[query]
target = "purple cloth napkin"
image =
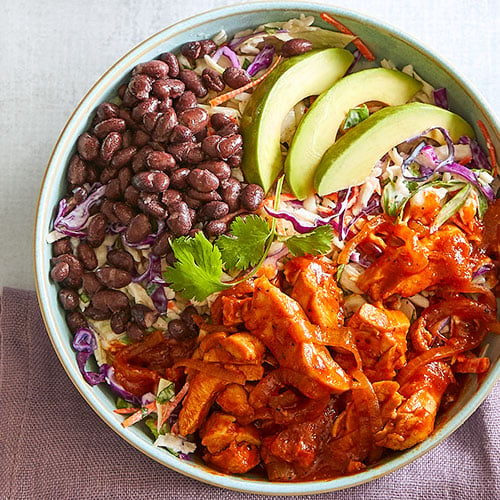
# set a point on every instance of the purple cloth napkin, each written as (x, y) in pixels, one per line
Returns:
(52, 445)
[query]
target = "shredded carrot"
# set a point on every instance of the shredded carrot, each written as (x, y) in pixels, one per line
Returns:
(365, 51)
(216, 101)
(167, 409)
(125, 411)
(489, 145)
(465, 160)
(140, 414)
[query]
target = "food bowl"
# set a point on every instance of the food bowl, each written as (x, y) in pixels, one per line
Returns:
(384, 41)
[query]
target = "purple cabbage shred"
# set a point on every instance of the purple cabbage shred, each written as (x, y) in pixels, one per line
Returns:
(262, 61)
(84, 342)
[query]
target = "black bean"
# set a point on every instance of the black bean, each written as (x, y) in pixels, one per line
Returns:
(236, 77)
(135, 332)
(173, 63)
(193, 82)
(230, 191)
(96, 230)
(149, 204)
(77, 171)
(160, 160)
(152, 181)
(110, 300)
(113, 277)
(107, 110)
(161, 245)
(87, 256)
(215, 228)
(181, 133)
(295, 46)
(229, 145)
(138, 228)
(112, 191)
(251, 197)
(164, 125)
(213, 210)
(179, 223)
(229, 129)
(207, 196)
(235, 160)
(207, 47)
(154, 68)
(75, 321)
(91, 284)
(62, 246)
(88, 146)
(68, 298)
(210, 145)
(196, 119)
(185, 101)
(123, 212)
(219, 120)
(71, 275)
(177, 329)
(121, 259)
(140, 86)
(171, 196)
(131, 195)
(203, 180)
(178, 178)
(119, 321)
(212, 80)
(97, 314)
(218, 168)
(170, 87)
(143, 316)
(191, 50)
(149, 105)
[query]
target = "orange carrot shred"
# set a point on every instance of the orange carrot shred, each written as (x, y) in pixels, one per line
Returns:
(125, 411)
(139, 415)
(168, 408)
(229, 95)
(465, 160)
(489, 145)
(365, 51)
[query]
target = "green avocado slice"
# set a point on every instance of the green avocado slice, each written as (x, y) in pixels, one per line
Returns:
(293, 80)
(351, 159)
(318, 129)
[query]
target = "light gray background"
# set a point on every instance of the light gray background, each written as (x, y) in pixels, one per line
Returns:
(52, 51)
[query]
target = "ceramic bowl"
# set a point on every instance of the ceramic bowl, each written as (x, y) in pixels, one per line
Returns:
(384, 41)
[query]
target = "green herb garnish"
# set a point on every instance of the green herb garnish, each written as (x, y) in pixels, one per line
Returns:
(355, 116)
(316, 242)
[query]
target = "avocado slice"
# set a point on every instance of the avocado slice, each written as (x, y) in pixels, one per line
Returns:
(318, 129)
(293, 80)
(351, 159)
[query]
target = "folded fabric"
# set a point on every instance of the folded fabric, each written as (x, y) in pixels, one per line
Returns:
(52, 444)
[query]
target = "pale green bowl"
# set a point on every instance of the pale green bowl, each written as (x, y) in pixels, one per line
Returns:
(386, 42)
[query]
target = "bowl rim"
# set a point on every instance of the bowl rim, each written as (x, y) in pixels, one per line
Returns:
(58, 340)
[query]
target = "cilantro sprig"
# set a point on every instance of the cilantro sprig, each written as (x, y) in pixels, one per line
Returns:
(199, 264)
(198, 267)
(313, 243)
(246, 243)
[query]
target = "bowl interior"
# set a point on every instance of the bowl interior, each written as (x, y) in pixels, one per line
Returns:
(384, 41)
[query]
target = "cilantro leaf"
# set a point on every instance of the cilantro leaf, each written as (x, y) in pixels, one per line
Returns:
(166, 394)
(313, 243)
(355, 116)
(245, 245)
(198, 269)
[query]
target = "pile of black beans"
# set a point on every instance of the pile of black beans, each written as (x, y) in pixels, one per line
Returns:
(161, 158)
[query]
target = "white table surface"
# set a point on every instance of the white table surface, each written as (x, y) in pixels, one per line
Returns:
(52, 51)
